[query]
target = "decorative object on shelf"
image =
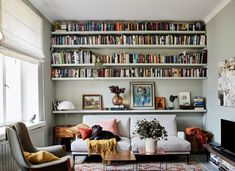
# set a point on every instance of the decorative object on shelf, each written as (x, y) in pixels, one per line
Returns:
(160, 103)
(172, 99)
(66, 105)
(32, 118)
(184, 99)
(92, 101)
(117, 99)
(152, 131)
(226, 88)
(142, 95)
(55, 105)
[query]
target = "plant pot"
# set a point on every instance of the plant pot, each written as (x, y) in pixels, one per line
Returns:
(117, 100)
(150, 145)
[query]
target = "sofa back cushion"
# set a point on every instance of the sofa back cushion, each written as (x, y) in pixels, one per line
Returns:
(168, 121)
(123, 122)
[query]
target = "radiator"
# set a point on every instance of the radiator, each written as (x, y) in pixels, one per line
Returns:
(7, 162)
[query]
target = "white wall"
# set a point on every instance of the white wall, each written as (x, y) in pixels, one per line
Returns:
(221, 46)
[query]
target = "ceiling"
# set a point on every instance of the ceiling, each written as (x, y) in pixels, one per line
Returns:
(129, 9)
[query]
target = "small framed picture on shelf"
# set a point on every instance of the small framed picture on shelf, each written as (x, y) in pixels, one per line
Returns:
(91, 102)
(142, 95)
(184, 98)
(160, 103)
(55, 105)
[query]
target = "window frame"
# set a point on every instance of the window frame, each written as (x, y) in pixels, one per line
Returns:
(22, 117)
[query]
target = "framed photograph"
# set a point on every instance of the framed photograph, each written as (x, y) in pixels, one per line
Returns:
(91, 101)
(160, 103)
(142, 95)
(184, 99)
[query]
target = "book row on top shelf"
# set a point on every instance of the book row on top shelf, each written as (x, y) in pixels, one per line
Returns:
(88, 57)
(128, 26)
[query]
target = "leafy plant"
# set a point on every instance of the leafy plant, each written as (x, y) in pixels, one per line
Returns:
(98, 62)
(150, 129)
(116, 90)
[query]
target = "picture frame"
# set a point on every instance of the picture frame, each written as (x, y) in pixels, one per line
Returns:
(142, 95)
(91, 102)
(184, 99)
(160, 103)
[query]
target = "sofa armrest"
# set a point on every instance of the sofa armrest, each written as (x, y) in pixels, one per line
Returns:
(181, 134)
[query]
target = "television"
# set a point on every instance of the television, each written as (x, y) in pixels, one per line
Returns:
(227, 137)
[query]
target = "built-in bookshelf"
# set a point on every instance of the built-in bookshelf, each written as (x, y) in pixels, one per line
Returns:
(74, 50)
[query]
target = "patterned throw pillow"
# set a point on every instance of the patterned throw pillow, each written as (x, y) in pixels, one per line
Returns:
(75, 129)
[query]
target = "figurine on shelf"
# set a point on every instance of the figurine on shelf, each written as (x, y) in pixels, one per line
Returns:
(172, 99)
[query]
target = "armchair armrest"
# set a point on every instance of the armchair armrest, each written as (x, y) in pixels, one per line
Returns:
(57, 150)
(181, 134)
(63, 164)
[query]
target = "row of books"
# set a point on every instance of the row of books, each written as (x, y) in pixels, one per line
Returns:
(199, 103)
(87, 57)
(130, 40)
(128, 72)
(127, 26)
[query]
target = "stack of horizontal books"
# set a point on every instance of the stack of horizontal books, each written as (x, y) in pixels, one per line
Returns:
(199, 103)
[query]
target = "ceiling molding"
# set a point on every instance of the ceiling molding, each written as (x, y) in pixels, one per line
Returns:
(216, 10)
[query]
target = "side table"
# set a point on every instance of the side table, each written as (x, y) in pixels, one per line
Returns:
(62, 136)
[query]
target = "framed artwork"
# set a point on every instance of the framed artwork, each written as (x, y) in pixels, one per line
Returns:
(226, 82)
(184, 98)
(142, 95)
(160, 103)
(92, 101)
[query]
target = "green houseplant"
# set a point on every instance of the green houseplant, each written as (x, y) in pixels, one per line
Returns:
(152, 131)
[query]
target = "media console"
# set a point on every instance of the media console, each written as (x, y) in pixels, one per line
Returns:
(226, 163)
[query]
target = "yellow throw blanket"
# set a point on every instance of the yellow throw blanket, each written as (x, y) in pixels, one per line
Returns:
(101, 146)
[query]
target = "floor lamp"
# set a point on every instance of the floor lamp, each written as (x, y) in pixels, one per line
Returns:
(66, 105)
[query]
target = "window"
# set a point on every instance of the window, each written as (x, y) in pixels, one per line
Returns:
(18, 90)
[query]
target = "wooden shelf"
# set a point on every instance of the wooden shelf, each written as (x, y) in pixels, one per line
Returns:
(131, 46)
(127, 111)
(124, 32)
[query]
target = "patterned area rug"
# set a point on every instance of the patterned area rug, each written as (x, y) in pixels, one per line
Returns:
(146, 166)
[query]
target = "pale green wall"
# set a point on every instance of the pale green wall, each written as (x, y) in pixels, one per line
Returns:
(221, 45)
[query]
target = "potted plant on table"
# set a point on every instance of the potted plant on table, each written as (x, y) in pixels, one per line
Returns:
(152, 131)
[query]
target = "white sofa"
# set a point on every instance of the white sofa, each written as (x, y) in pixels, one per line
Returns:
(129, 141)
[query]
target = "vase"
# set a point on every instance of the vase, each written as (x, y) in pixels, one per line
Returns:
(150, 145)
(117, 100)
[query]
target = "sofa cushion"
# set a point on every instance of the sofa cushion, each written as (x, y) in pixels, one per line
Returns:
(109, 125)
(85, 132)
(168, 121)
(80, 145)
(172, 144)
(123, 123)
